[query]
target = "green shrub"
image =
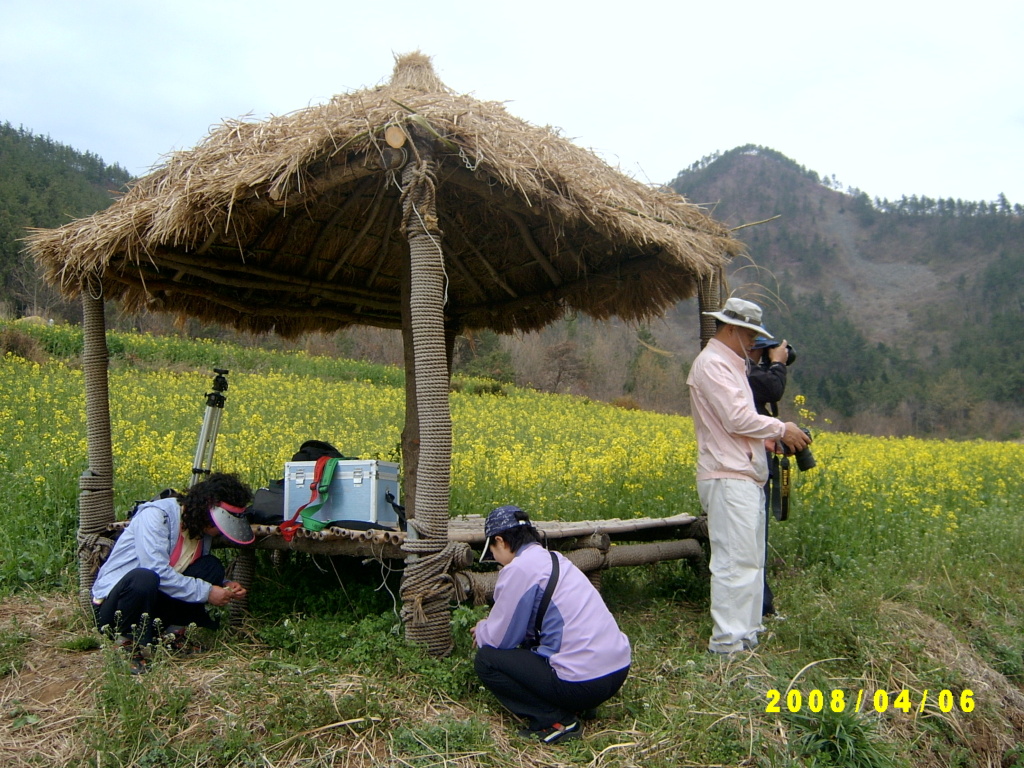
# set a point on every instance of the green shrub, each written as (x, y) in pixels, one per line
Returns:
(839, 740)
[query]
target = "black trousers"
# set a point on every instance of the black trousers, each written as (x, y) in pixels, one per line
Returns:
(136, 602)
(525, 684)
(768, 601)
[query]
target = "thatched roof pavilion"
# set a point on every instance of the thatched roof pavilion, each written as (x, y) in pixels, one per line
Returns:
(402, 206)
(292, 224)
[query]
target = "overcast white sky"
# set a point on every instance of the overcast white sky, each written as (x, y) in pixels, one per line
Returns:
(893, 97)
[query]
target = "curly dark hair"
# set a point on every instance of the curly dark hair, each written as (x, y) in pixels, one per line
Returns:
(520, 535)
(197, 501)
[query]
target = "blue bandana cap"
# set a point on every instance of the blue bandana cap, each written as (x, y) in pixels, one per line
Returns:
(499, 520)
(763, 342)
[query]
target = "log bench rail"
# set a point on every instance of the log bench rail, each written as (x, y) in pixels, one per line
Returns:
(592, 545)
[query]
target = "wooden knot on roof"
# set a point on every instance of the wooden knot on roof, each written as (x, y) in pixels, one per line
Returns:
(416, 71)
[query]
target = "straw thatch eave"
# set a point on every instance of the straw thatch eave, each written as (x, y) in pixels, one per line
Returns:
(293, 223)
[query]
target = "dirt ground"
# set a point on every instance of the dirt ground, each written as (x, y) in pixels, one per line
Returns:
(46, 704)
(42, 702)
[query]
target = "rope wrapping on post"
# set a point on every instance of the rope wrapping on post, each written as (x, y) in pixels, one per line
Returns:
(96, 493)
(709, 299)
(93, 549)
(427, 590)
(243, 570)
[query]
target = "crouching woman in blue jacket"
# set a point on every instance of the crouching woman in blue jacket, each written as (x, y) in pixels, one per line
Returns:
(555, 670)
(161, 571)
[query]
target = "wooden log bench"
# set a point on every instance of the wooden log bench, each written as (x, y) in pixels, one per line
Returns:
(592, 545)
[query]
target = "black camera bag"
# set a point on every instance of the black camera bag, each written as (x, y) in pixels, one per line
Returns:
(267, 506)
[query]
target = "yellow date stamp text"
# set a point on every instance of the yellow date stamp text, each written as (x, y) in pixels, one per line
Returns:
(838, 700)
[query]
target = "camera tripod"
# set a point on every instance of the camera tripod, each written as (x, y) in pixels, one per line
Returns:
(203, 461)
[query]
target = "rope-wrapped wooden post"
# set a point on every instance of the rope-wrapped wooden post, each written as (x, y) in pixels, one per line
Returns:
(709, 299)
(242, 570)
(428, 588)
(96, 485)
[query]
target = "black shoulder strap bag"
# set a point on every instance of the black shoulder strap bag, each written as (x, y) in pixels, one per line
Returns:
(545, 601)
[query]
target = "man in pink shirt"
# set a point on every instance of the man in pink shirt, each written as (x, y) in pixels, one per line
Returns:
(731, 472)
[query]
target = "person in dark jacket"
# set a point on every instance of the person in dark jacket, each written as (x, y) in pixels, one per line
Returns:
(767, 377)
(555, 671)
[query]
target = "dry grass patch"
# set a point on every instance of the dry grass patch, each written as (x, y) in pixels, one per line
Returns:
(996, 726)
(47, 694)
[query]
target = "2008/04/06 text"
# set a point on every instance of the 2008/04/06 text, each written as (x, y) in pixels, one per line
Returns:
(838, 701)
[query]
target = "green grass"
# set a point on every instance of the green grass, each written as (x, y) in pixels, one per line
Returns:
(65, 342)
(874, 599)
(13, 644)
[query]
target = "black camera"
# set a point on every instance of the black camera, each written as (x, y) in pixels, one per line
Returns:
(804, 457)
(769, 344)
(766, 358)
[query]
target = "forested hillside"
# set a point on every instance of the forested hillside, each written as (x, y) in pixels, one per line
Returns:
(43, 184)
(907, 312)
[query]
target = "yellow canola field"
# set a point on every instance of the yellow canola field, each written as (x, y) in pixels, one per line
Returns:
(559, 457)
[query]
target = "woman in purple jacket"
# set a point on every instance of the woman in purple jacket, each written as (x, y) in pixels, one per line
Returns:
(552, 671)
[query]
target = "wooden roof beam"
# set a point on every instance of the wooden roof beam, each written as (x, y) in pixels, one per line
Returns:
(451, 225)
(532, 247)
(263, 280)
(325, 231)
(388, 319)
(618, 271)
(492, 193)
(393, 211)
(358, 239)
(483, 259)
(386, 242)
(351, 168)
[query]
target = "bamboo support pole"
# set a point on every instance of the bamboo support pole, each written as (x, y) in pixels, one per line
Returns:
(96, 485)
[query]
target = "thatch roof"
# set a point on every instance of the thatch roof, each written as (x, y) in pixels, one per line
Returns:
(293, 223)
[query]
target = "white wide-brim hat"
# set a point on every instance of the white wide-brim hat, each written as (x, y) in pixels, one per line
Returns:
(745, 314)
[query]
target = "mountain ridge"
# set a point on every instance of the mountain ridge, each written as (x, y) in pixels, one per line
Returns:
(811, 229)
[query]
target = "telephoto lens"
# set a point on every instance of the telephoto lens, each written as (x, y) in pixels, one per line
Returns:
(804, 457)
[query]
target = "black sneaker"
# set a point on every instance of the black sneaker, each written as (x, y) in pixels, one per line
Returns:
(559, 733)
(138, 664)
(183, 641)
(175, 639)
